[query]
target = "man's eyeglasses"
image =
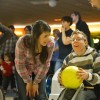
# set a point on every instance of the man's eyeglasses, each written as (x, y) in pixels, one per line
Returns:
(78, 39)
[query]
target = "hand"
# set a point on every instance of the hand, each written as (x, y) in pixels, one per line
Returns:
(63, 30)
(35, 90)
(82, 74)
(29, 89)
(4, 71)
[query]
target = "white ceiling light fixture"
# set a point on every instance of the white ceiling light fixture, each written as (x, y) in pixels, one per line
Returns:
(51, 3)
(96, 40)
(39, 2)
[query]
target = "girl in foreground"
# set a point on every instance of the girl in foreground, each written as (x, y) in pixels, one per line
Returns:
(32, 59)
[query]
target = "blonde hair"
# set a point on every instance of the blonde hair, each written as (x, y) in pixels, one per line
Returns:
(82, 33)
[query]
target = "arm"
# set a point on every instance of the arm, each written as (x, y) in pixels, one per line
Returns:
(56, 48)
(95, 79)
(92, 77)
(1, 68)
(22, 66)
(7, 33)
(15, 38)
(44, 68)
(65, 39)
(20, 61)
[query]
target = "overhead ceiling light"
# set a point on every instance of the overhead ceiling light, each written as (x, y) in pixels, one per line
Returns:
(57, 19)
(51, 3)
(96, 40)
(38, 2)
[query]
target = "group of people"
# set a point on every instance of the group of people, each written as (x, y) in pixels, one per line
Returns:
(64, 43)
(34, 52)
(7, 55)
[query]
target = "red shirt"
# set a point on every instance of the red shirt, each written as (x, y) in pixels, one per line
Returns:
(8, 68)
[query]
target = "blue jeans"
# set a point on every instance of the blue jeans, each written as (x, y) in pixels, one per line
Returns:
(58, 64)
(22, 89)
(52, 67)
(86, 95)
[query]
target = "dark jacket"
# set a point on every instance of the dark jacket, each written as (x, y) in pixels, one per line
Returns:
(82, 26)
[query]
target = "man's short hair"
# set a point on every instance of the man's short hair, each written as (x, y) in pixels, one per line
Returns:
(68, 19)
(79, 32)
(28, 27)
(12, 27)
(77, 14)
(56, 31)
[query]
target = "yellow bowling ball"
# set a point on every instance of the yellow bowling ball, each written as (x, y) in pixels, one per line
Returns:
(69, 78)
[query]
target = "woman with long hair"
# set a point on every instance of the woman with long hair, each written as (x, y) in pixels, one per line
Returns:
(32, 59)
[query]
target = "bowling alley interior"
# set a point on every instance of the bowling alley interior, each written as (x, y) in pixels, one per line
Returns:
(37, 38)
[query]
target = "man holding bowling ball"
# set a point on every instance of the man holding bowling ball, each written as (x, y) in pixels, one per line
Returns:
(88, 62)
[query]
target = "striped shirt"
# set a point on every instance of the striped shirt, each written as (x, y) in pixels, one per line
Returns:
(90, 61)
(25, 65)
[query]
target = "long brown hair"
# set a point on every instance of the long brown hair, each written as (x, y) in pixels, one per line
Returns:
(30, 41)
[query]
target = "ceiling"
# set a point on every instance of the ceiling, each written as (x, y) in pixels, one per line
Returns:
(23, 12)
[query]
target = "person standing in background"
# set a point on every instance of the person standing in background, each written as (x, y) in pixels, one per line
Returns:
(11, 43)
(64, 41)
(9, 47)
(7, 70)
(56, 34)
(6, 34)
(81, 25)
(27, 29)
